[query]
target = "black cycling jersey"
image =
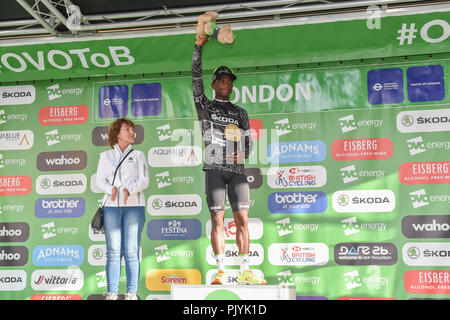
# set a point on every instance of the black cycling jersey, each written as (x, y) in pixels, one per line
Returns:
(225, 126)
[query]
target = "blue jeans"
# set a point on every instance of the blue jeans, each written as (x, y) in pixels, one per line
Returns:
(123, 228)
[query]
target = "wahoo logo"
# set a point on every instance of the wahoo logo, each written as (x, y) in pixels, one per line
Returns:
(347, 123)
(62, 160)
(416, 146)
(426, 226)
(419, 198)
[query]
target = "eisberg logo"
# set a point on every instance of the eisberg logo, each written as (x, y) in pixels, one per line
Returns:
(15, 185)
(62, 115)
(62, 160)
(297, 202)
(59, 207)
(363, 201)
(361, 149)
(431, 172)
(297, 151)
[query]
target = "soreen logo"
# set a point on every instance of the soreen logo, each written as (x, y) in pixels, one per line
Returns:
(297, 151)
(362, 149)
(60, 207)
(161, 279)
(297, 202)
(60, 115)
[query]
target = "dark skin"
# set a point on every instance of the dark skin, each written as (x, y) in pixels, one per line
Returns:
(223, 87)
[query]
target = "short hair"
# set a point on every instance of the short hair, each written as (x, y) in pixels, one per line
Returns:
(114, 129)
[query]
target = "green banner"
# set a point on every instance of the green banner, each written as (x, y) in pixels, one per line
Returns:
(391, 36)
(349, 179)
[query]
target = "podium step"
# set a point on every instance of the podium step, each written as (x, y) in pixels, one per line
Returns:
(231, 292)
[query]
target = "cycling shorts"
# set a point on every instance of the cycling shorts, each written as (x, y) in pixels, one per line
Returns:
(217, 182)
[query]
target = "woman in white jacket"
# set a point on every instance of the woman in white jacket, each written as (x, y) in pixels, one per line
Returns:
(124, 210)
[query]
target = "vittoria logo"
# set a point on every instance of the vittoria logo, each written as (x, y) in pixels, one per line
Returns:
(54, 279)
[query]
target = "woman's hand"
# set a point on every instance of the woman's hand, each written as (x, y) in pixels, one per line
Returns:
(114, 193)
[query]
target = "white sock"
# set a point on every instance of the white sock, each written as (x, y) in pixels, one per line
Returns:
(244, 261)
(220, 263)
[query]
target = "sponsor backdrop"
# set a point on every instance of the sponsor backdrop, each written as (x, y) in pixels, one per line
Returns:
(349, 174)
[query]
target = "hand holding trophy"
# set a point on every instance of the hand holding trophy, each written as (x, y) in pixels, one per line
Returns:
(206, 27)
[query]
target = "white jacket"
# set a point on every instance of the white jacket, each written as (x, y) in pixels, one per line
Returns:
(132, 174)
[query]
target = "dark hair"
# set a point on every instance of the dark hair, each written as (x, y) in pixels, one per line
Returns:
(114, 130)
